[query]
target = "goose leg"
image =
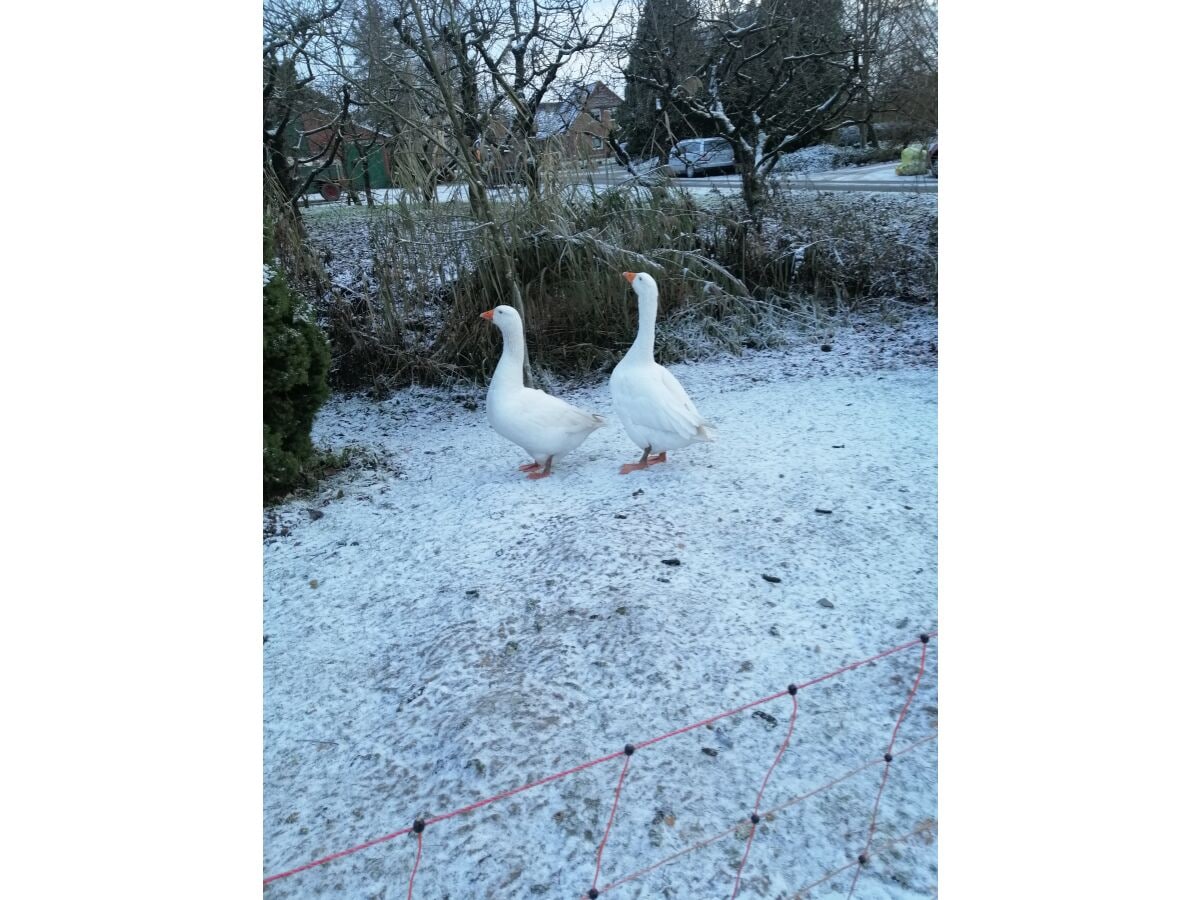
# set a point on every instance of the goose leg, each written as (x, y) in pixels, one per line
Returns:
(528, 467)
(640, 464)
(545, 470)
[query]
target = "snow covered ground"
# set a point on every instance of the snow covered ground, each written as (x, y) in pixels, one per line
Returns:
(438, 629)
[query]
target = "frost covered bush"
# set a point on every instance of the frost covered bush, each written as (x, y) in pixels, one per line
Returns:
(865, 156)
(568, 256)
(837, 251)
(811, 159)
(848, 136)
(295, 368)
(885, 132)
(422, 322)
(850, 248)
(410, 281)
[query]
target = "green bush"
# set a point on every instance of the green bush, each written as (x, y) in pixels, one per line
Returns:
(295, 373)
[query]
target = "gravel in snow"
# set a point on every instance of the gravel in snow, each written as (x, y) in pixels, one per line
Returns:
(447, 630)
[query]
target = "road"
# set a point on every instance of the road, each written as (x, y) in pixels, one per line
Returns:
(881, 177)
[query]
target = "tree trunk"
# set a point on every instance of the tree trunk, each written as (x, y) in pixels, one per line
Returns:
(752, 186)
(476, 183)
(365, 162)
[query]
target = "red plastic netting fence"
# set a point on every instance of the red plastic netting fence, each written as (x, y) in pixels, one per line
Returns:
(756, 816)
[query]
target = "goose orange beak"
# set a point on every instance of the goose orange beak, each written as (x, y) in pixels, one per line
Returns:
(487, 315)
(629, 276)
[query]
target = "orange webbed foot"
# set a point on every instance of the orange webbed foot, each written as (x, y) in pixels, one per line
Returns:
(645, 462)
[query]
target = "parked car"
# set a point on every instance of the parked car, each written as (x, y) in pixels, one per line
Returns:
(701, 156)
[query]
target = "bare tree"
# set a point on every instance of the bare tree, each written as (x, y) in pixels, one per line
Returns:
(292, 36)
(436, 38)
(455, 80)
(773, 77)
(867, 19)
(666, 50)
(526, 46)
(897, 47)
(908, 63)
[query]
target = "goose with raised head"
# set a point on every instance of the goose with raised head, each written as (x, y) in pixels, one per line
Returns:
(545, 427)
(650, 402)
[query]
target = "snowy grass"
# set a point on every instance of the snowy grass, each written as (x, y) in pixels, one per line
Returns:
(854, 247)
(407, 285)
(438, 629)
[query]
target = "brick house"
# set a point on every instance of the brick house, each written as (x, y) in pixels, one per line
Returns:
(364, 154)
(580, 124)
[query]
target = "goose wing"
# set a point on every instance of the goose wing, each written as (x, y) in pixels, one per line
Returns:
(547, 412)
(654, 398)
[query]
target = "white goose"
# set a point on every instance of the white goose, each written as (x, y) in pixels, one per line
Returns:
(544, 426)
(650, 402)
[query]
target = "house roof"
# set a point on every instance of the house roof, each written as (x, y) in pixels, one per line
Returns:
(554, 118)
(318, 129)
(557, 116)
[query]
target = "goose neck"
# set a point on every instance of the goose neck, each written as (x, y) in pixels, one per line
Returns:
(643, 345)
(509, 371)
